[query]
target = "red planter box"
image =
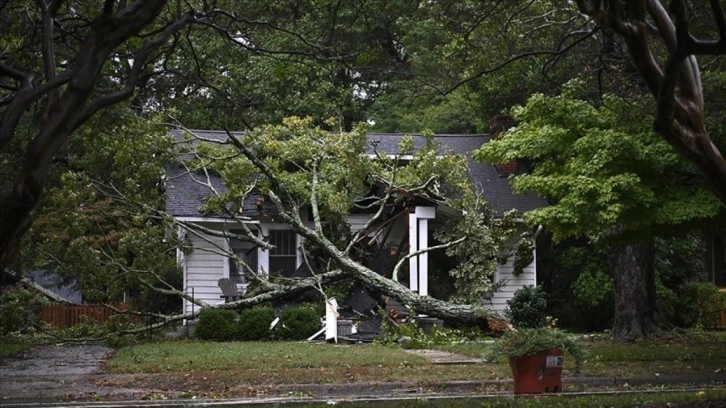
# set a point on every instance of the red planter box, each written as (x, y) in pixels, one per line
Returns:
(538, 373)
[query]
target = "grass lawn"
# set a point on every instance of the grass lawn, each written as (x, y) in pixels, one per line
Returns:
(12, 349)
(235, 365)
(708, 398)
(703, 353)
(190, 364)
(194, 355)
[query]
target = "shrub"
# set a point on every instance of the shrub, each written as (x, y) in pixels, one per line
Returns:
(298, 323)
(217, 324)
(254, 324)
(19, 310)
(87, 327)
(700, 305)
(526, 309)
(531, 341)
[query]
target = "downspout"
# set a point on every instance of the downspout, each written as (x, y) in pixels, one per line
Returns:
(534, 241)
(536, 234)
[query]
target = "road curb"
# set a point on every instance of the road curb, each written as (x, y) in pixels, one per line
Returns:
(289, 393)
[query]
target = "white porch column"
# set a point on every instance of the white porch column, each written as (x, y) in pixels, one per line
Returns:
(418, 239)
(263, 255)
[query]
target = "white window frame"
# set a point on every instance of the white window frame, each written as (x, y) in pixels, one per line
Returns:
(263, 255)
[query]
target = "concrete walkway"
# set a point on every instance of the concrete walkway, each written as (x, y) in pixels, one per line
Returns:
(444, 357)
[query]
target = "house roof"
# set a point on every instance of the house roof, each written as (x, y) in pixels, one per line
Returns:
(186, 193)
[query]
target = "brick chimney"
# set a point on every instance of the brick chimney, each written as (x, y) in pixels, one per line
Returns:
(497, 125)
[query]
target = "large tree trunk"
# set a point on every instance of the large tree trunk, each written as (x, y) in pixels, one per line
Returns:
(634, 277)
(65, 109)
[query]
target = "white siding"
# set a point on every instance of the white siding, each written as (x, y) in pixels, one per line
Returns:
(208, 262)
(357, 221)
(505, 272)
(204, 266)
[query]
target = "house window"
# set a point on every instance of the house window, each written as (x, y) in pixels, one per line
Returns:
(283, 258)
(245, 252)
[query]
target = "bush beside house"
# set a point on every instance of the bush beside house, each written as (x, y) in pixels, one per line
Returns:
(700, 305)
(526, 308)
(296, 323)
(217, 325)
(254, 324)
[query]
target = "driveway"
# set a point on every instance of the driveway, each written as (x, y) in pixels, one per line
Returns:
(53, 372)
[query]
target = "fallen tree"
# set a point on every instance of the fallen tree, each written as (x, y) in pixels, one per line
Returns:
(303, 170)
(312, 177)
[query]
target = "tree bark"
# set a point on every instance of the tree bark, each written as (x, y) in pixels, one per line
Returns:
(632, 269)
(676, 84)
(62, 115)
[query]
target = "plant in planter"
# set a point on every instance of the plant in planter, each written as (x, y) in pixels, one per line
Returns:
(536, 357)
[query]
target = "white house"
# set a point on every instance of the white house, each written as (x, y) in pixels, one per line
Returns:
(207, 262)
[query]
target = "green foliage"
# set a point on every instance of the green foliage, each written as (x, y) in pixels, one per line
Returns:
(680, 259)
(393, 334)
(523, 253)
(475, 261)
(217, 324)
(667, 302)
(462, 48)
(86, 328)
(254, 323)
(19, 310)
(332, 169)
(404, 111)
(578, 287)
(339, 289)
(593, 287)
(416, 338)
(96, 226)
(297, 323)
(700, 304)
(531, 341)
(526, 308)
(600, 167)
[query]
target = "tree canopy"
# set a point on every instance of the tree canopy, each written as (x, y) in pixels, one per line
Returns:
(605, 172)
(609, 178)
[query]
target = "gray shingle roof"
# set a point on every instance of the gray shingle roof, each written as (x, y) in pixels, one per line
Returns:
(185, 196)
(186, 193)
